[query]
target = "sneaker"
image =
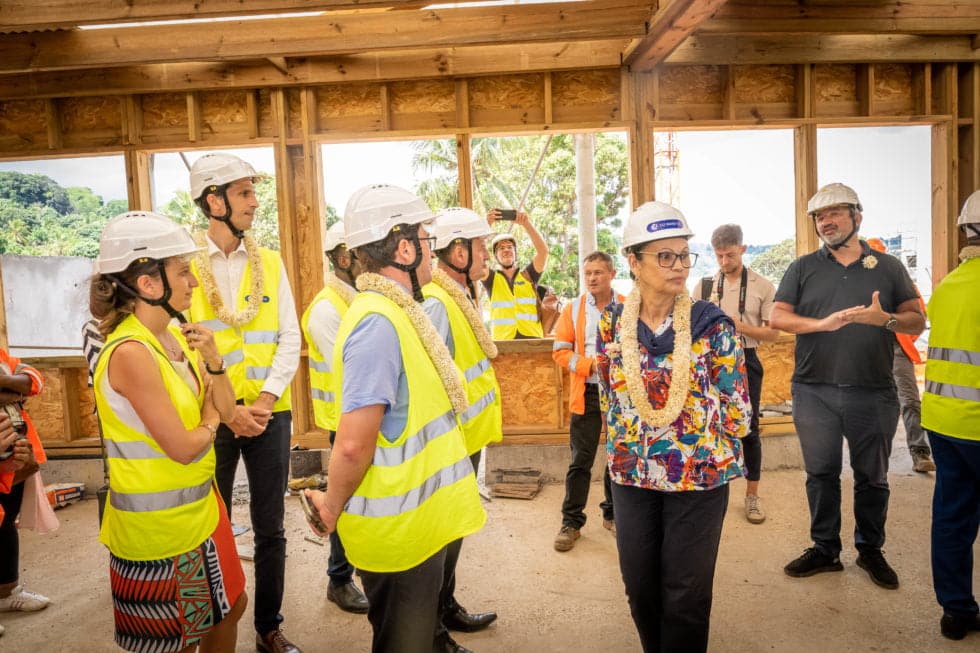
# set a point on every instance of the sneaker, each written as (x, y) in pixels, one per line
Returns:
(813, 561)
(610, 526)
(21, 600)
(922, 462)
(873, 562)
(566, 537)
(954, 626)
(753, 509)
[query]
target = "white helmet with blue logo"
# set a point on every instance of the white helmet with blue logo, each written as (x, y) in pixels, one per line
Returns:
(654, 221)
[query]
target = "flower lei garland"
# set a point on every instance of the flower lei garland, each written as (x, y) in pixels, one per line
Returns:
(869, 262)
(972, 251)
(341, 288)
(444, 281)
(434, 346)
(681, 361)
(251, 309)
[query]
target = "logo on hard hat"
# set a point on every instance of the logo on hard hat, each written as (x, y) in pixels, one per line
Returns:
(662, 225)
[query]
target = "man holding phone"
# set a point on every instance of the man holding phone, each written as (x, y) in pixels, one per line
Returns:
(513, 293)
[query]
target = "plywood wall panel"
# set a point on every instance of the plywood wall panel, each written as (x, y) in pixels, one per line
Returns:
(893, 89)
(355, 107)
(692, 85)
(764, 84)
(46, 409)
(163, 110)
(528, 389)
(585, 94)
(836, 90)
(23, 126)
(506, 100)
(267, 128)
(765, 112)
(223, 113)
(294, 110)
(422, 104)
(778, 362)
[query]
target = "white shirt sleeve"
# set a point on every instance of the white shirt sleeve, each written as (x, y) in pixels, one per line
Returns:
(323, 327)
(286, 359)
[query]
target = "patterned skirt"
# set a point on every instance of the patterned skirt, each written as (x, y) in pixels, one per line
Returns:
(161, 606)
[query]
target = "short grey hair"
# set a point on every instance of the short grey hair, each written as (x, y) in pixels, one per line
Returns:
(727, 235)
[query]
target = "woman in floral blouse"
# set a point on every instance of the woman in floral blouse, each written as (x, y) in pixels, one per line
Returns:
(676, 400)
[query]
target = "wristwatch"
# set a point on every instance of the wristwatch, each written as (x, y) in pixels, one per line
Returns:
(891, 323)
(220, 370)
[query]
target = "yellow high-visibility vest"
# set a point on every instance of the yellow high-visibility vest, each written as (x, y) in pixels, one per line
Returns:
(326, 414)
(247, 350)
(419, 493)
(482, 422)
(951, 401)
(513, 312)
(157, 507)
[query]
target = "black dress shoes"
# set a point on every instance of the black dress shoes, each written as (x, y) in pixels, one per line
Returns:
(446, 644)
(457, 618)
(348, 597)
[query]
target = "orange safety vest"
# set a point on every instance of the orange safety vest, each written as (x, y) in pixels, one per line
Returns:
(907, 341)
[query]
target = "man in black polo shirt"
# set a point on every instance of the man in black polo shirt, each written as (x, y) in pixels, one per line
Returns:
(845, 303)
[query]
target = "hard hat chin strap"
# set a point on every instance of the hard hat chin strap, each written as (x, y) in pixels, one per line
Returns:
(464, 270)
(226, 218)
(162, 301)
(412, 267)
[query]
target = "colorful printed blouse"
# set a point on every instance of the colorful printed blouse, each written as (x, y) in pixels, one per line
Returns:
(701, 449)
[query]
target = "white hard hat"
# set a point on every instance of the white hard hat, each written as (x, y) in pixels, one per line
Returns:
(335, 237)
(141, 235)
(833, 195)
(654, 221)
(372, 211)
(499, 238)
(458, 222)
(971, 210)
(217, 170)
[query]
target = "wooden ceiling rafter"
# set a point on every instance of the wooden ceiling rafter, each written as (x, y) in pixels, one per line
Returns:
(669, 26)
(323, 35)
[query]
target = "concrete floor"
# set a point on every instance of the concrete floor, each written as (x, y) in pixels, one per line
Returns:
(552, 601)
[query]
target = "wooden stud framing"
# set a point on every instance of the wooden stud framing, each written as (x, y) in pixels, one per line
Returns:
(4, 342)
(139, 179)
(464, 166)
(805, 172)
(53, 119)
(385, 107)
(549, 107)
(922, 88)
(70, 382)
(462, 95)
(866, 89)
(728, 102)
(193, 117)
(252, 113)
(804, 91)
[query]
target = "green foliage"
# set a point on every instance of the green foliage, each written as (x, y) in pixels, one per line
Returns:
(501, 169)
(30, 190)
(772, 263)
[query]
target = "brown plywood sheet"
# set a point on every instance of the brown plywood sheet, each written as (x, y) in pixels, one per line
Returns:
(345, 103)
(90, 113)
(23, 125)
(162, 110)
(778, 362)
(581, 95)
(508, 99)
(223, 112)
(835, 83)
(893, 89)
(45, 409)
(692, 85)
(764, 84)
(528, 389)
(422, 104)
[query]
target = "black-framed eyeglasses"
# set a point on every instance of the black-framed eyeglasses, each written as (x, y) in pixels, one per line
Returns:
(431, 240)
(666, 258)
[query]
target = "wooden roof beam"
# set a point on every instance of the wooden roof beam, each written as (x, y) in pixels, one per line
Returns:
(27, 15)
(842, 48)
(762, 17)
(373, 67)
(673, 22)
(322, 35)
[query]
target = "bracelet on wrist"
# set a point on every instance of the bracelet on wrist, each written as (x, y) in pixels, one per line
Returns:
(220, 370)
(213, 429)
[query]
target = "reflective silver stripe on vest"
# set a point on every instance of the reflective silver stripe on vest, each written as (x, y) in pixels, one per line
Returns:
(257, 373)
(152, 501)
(322, 395)
(501, 304)
(233, 357)
(503, 321)
(320, 366)
(954, 355)
(396, 505)
(260, 337)
(562, 344)
(531, 317)
(526, 300)
(476, 370)
(415, 443)
(953, 391)
(573, 362)
(132, 450)
(215, 325)
(478, 407)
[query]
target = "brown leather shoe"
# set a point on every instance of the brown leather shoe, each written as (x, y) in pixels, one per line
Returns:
(275, 642)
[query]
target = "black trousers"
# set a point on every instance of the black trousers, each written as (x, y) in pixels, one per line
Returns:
(267, 465)
(668, 545)
(751, 443)
(583, 432)
(447, 600)
(9, 539)
(405, 606)
(339, 569)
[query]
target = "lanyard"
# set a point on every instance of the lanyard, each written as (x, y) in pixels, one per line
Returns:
(741, 291)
